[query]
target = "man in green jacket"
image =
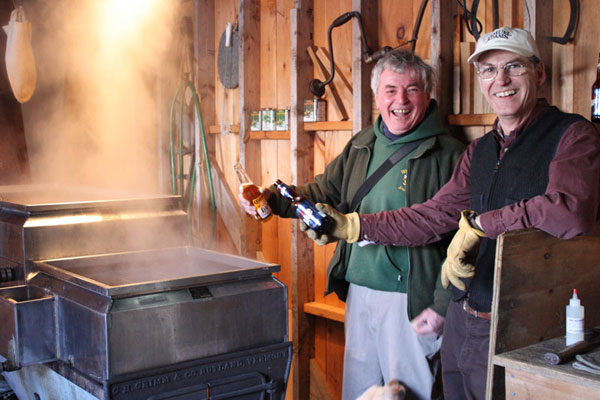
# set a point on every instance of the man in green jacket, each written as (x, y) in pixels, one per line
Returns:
(395, 304)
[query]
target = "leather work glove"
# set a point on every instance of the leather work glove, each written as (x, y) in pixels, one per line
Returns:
(345, 226)
(428, 323)
(320, 240)
(461, 250)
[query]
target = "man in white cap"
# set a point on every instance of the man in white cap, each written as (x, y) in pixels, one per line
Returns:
(537, 168)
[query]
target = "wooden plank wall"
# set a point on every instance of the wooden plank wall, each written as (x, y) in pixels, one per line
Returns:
(329, 335)
(471, 100)
(573, 72)
(226, 146)
(574, 69)
(301, 170)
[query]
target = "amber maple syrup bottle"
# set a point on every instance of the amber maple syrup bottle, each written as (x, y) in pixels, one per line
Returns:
(596, 95)
(252, 193)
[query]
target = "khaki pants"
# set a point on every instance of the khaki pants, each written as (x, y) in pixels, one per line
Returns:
(382, 346)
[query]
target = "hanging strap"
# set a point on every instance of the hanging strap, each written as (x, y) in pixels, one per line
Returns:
(382, 170)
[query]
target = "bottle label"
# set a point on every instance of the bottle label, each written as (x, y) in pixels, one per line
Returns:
(307, 215)
(574, 325)
(312, 217)
(305, 209)
(596, 103)
(262, 208)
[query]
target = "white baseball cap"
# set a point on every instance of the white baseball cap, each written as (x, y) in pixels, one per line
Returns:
(515, 40)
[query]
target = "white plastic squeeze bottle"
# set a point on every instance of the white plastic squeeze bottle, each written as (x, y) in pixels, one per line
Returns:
(574, 320)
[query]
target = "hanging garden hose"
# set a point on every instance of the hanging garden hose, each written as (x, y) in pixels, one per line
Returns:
(174, 171)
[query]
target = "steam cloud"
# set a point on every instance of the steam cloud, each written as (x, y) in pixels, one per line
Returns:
(95, 118)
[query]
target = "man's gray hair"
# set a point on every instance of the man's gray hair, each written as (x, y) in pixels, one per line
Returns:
(401, 61)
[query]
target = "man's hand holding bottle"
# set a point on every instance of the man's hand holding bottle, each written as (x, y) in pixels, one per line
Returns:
(252, 197)
(329, 226)
(249, 207)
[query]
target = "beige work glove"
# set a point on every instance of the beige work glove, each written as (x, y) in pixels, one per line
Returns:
(345, 226)
(461, 251)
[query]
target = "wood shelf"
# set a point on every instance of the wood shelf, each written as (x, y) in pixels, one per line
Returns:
(213, 129)
(325, 311)
(270, 135)
(454, 119)
(472, 119)
(328, 126)
(285, 135)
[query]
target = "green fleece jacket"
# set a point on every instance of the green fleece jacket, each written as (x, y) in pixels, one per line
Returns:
(387, 267)
(429, 167)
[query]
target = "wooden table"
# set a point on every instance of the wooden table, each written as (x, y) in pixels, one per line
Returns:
(528, 376)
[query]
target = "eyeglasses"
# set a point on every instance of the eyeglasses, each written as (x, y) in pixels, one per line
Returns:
(516, 68)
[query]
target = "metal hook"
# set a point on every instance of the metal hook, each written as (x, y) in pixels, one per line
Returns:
(316, 86)
(571, 27)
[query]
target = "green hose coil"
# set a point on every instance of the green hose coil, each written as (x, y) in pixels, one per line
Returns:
(181, 89)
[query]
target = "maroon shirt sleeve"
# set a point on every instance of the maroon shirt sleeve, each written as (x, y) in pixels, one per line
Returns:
(570, 204)
(568, 207)
(427, 222)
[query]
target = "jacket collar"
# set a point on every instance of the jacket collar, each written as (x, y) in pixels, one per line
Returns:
(368, 141)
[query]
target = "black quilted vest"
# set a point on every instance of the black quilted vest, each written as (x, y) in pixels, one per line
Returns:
(522, 174)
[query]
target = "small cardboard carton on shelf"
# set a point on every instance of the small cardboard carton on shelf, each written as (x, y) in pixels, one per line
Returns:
(315, 110)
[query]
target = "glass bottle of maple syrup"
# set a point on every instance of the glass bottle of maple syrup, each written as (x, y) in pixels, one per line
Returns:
(252, 193)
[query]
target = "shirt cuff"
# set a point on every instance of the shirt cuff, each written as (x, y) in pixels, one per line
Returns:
(364, 230)
(491, 224)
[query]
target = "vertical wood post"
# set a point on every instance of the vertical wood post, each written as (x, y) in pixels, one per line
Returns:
(538, 19)
(585, 54)
(302, 161)
(361, 72)
(250, 155)
(442, 54)
(204, 81)
(204, 61)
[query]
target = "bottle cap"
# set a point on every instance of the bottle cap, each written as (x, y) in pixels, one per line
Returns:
(575, 300)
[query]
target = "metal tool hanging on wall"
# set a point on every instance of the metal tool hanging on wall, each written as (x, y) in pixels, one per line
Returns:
(573, 21)
(475, 27)
(317, 87)
(228, 58)
(472, 24)
(227, 65)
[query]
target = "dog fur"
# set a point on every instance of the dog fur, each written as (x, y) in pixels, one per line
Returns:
(393, 390)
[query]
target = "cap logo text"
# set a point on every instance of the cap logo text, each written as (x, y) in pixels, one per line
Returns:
(499, 35)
